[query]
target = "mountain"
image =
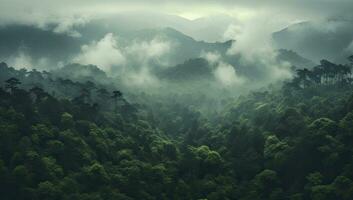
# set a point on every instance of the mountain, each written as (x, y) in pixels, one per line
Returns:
(89, 142)
(210, 29)
(37, 43)
(81, 73)
(294, 59)
(183, 47)
(193, 69)
(330, 39)
(32, 45)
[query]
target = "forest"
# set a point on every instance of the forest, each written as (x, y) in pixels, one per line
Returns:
(176, 100)
(65, 139)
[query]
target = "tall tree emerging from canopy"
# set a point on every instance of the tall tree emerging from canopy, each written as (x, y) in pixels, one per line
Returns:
(12, 84)
(116, 97)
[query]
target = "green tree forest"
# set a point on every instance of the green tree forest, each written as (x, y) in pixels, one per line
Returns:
(61, 139)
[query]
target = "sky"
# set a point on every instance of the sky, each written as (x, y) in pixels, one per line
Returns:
(278, 13)
(40, 11)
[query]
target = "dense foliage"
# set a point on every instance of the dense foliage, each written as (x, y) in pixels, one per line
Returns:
(86, 141)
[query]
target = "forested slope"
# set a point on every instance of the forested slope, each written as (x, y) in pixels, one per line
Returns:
(288, 142)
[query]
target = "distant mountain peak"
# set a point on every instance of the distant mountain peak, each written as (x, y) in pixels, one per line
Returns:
(317, 39)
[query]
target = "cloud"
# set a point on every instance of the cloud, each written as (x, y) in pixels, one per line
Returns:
(211, 57)
(226, 74)
(254, 46)
(254, 21)
(104, 53)
(253, 36)
(315, 6)
(149, 51)
(349, 48)
(140, 78)
(21, 60)
(67, 26)
(39, 11)
(223, 72)
(132, 63)
(232, 31)
(142, 56)
(54, 16)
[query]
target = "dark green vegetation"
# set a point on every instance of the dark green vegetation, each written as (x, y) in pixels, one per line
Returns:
(61, 139)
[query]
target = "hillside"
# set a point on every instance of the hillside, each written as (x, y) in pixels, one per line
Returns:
(286, 143)
(328, 39)
(46, 49)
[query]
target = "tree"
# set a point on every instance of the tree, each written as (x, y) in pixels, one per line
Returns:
(313, 179)
(67, 120)
(38, 92)
(12, 84)
(275, 151)
(103, 94)
(103, 99)
(88, 87)
(116, 96)
(343, 187)
(265, 183)
(303, 75)
(48, 191)
(21, 175)
(35, 75)
(323, 192)
(323, 126)
(96, 175)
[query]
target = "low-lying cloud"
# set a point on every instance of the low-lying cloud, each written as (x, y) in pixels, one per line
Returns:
(22, 60)
(224, 73)
(211, 57)
(104, 53)
(132, 63)
(255, 49)
(68, 14)
(68, 24)
(149, 51)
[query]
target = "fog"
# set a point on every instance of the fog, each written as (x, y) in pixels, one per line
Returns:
(218, 48)
(103, 53)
